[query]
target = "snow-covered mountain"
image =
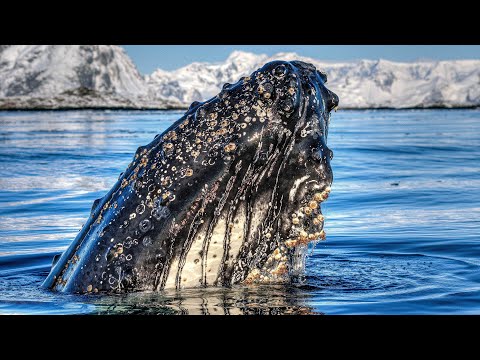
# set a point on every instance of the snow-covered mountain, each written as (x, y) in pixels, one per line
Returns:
(360, 84)
(53, 76)
(77, 76)
(200, 81)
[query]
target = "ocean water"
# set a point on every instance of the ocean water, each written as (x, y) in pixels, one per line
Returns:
(402, 221)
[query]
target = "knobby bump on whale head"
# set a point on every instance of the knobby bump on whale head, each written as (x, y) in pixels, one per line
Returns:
(229, 194)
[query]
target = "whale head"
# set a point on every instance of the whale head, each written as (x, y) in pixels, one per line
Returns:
(282, 139)
(229, 194)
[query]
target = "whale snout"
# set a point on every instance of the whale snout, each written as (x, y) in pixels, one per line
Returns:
(332, 101)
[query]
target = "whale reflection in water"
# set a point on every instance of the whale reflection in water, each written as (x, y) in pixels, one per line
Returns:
(258, 300)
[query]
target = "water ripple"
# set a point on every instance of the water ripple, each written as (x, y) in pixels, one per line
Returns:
(402, 219)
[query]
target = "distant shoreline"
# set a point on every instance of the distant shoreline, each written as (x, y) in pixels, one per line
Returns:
(126, 108)
(88, 108)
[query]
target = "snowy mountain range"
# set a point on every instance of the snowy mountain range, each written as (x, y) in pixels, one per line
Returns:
(76, 76)
(360, 84)
(72, 76)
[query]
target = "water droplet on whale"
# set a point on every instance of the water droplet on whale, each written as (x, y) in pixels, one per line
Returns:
(145, 225)
(147, 241)
(268, 87)
(287, 105)
(140, 209)
(280, 71)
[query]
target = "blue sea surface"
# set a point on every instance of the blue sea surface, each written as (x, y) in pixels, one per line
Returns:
(402, 220)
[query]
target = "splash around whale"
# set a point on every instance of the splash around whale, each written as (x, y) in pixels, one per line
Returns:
(229, 194)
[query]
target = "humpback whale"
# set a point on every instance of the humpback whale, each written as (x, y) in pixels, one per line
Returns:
(229, 194)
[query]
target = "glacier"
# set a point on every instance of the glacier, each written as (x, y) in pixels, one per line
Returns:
(103, 76)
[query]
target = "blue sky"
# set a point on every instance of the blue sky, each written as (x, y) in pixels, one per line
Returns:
(169, 57)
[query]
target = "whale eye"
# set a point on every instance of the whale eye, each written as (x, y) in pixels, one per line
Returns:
(280, 71)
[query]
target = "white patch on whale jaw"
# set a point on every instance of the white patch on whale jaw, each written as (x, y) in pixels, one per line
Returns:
(213, 249)
(214, 253)
(201, 270)
(237, 236)
(205, 270)
(294, 189)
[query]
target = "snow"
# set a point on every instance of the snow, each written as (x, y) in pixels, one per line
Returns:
(69, 76)
(62, 68)
(359, 84)
(53, 76)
